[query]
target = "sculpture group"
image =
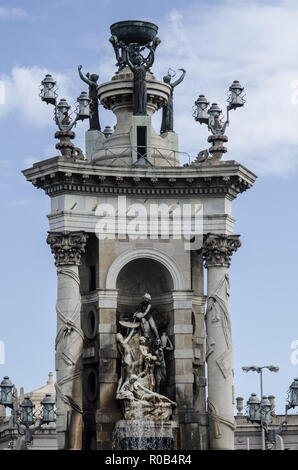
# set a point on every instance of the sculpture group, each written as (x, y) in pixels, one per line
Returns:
(131, 56)
(143, 367)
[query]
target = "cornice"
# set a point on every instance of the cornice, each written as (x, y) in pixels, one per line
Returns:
(58, 175)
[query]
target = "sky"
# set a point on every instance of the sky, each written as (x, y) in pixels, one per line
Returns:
(216, 42)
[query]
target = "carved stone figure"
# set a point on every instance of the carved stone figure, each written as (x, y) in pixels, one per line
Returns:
(160, 371)
(142, 403)
(139, 66)
(143, 368)
(91, 80)
(139, 392)
(148, 323)
(167, 124)
(127, 362)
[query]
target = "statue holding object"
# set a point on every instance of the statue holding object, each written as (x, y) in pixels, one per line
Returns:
(139, 66)
(167, 124)
(147, 320)
(91, 80)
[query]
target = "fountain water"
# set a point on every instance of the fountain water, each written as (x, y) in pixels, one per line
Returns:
(143, 435)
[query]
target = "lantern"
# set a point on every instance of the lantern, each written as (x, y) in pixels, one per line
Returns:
(48, 93)
(236, 99)
(48, 414)
(27, 412)
(254, 408)
(293, 394)
(84, 106)
(62, 110)
(200, 110)
(266, 409)
(215, 117)
(6, 391)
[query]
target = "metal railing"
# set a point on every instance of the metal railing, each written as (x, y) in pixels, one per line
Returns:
(141, 156)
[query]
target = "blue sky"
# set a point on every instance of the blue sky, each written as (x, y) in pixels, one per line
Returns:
(216, 42)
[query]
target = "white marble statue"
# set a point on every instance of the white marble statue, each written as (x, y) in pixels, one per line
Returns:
(143, 368)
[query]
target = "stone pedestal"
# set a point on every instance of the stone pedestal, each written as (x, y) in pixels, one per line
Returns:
(217, 149)
(217, 250)
(68, 248)
(94, 139)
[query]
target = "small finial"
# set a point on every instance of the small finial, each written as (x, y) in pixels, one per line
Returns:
(51, 378)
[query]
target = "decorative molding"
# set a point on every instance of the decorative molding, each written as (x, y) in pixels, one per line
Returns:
(150, 253)
(67, 247)
(58, 175)
(107, 298)
(218, 249)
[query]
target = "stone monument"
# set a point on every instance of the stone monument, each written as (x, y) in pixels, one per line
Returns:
(131, 361)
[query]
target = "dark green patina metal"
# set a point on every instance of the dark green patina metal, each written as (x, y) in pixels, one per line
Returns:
(133, 31)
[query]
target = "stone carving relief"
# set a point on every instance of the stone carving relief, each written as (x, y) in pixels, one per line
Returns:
(218, 249)
(67, 247)
(143, 368)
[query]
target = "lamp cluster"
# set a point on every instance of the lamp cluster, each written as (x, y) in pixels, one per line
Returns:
(62, 114)
(23, 413)
(260, 411)
(212, 116)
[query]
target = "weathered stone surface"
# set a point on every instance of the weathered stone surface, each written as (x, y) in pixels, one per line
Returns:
(218, 249)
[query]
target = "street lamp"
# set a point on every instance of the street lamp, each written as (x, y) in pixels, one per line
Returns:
(48, 94)
(264, 406)
(23, 413)
(6, 396)
(254, 404)
(292, 402)
(62, 116)
(213, 117)
(27, 408)
(292, 395)
(48, 409)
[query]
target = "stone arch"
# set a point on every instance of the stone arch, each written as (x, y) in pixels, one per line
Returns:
(151, 253)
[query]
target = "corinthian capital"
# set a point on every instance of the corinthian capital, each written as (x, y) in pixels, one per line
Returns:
(218, 249)
(67, 247)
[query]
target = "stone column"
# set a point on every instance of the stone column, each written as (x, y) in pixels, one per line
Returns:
(217, 251)
(67, 248)
(181, 375)
(108, 413)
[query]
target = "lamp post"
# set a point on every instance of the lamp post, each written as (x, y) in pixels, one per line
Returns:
(23, 413)
(62, 116)
(212, 116)
(260, 410)
(292, 402)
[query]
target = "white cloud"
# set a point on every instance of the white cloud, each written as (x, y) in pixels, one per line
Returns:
(216, 42)
(22, 95)
(13, 14)
(250, 41)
